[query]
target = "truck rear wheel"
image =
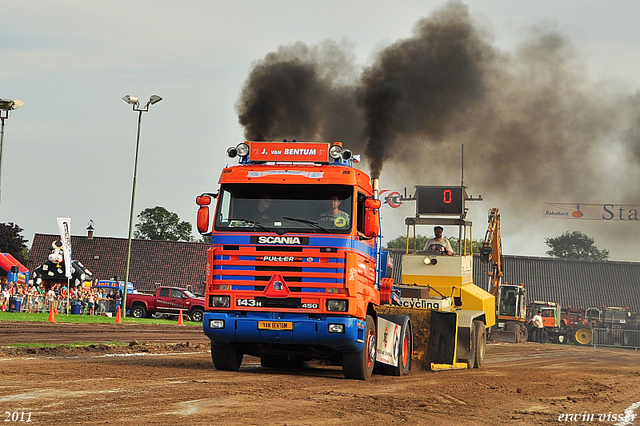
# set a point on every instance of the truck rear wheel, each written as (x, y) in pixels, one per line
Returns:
(138, 311)
(359, 365)
(582, 336)
(226, 357)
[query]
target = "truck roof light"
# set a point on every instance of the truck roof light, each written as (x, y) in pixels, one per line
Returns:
(346, 154)
(232, 152)
(242, 149)
(335, 151)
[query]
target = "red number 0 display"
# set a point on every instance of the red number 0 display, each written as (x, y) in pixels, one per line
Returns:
(447, 197)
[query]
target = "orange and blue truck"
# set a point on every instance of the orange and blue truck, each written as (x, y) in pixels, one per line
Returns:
(296, 271)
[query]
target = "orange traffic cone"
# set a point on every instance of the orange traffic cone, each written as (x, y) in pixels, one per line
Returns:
(118, 319)
(52, 315)
(180, 320)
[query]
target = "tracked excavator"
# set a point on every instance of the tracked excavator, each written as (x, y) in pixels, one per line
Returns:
(511, 308)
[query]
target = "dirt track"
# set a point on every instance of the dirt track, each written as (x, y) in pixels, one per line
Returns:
(166, 377)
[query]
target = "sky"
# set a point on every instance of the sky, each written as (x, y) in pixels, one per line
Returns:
(69, 152)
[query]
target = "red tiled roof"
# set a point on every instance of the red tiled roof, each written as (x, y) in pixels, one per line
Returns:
(179, 264)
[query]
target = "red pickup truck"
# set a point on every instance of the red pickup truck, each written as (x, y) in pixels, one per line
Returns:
(167, 300)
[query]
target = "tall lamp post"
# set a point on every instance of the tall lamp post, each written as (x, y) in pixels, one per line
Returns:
(6, 105)
(132, 100)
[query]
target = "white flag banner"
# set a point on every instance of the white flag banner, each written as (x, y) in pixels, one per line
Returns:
(64, 225)
(610, 212)
(391, 199)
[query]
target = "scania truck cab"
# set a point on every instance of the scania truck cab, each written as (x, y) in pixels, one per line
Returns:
(292, 272)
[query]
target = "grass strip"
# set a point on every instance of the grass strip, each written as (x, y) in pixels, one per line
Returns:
(87, 319)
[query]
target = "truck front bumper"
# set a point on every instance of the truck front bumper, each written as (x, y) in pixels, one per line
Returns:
(342, 334)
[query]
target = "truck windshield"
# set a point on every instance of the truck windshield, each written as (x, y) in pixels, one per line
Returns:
(615, 315)
(188, 293)
(508, 298)
(285, 208)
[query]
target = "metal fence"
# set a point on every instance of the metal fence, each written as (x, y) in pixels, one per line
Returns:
(39, 304)
(616, 337)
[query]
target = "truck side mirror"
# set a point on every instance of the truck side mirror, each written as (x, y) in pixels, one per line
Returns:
(203, 220)
(204, 201)
(371, 218)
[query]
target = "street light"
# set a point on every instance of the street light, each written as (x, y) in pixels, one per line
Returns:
(132, 100)
(6, 105)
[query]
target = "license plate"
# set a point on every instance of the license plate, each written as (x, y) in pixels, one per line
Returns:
(275, 325)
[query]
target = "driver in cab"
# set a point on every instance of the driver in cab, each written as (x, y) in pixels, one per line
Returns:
(439, 244)
(334, 215)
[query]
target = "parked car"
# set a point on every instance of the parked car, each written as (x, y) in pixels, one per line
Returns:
(167, 300)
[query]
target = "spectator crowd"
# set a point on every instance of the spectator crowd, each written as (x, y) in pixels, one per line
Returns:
(34, 299)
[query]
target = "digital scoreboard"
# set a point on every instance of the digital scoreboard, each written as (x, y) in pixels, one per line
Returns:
(440, 200)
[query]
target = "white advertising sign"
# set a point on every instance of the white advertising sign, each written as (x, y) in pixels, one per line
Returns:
(390, 199)
(388, 342)
(606, 212)
(64, 224)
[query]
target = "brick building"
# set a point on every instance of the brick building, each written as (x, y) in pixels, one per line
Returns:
(180, 264)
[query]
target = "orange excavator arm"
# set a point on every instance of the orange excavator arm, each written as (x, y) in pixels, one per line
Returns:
(491, 252)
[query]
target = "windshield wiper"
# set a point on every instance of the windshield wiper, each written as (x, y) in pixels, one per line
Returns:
(308, 222)
(259, 225)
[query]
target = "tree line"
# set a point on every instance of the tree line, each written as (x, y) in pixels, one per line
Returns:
(569, 245)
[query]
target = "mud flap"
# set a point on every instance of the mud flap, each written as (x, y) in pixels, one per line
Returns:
(389, 334)
(420, 328)
(441, 352)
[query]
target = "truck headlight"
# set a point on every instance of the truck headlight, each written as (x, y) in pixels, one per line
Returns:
(430, 260)
(335, 151)
(221, 301)
(242, 149)
(216, 323)
(336, 328)
(337, 305)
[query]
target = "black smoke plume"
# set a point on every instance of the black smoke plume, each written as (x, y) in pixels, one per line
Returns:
(535, 128)
(303, 93)
(423, 85)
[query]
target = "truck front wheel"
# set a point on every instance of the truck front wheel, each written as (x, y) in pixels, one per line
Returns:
(196, 315)
(138, 311)
(359, 365)
(226, 357)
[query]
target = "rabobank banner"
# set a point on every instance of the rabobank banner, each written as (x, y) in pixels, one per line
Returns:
(614, 212)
